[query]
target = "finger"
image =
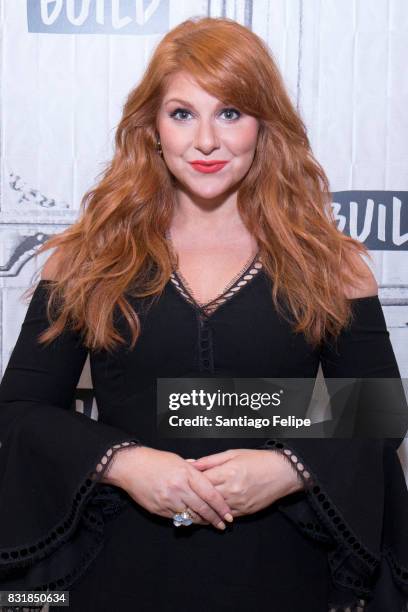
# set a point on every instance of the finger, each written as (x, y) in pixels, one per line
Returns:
(203, 510)
(195, 517)
(190, 459)
(216, 475)
(209, 494)
(199, 467)
(212, 460)
(170, 512)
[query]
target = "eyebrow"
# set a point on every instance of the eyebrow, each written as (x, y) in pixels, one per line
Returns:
(180, 101)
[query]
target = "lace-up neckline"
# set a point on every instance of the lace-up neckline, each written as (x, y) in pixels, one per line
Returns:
(251, 268)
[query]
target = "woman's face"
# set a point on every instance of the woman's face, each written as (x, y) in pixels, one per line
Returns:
(195, 126)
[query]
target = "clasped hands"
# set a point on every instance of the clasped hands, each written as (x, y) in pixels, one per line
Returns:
(249, 479)
(233, 482)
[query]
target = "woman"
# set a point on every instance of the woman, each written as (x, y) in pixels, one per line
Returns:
(179, 269)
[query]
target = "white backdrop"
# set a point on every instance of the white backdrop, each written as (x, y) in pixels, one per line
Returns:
(67, 66)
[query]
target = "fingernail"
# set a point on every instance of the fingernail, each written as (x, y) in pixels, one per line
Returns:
(228, 517)
(221, 525)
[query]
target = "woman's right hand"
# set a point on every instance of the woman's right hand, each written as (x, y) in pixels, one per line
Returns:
(165, 483)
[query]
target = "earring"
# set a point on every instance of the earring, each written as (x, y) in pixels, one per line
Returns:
(158, 147)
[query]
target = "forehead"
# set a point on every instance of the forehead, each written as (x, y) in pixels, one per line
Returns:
(180, 80)
(183, 85)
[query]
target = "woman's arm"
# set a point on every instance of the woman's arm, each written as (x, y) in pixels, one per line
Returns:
(52, 460)
(356, 500)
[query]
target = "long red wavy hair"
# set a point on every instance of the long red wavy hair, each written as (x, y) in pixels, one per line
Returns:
(118, 243)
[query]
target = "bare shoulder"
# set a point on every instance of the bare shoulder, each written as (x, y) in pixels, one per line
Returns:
(366, 285)
(51, 266)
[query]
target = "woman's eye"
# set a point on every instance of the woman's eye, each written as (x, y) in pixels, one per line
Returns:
(183, 111)
(232, 110)
(177, 111)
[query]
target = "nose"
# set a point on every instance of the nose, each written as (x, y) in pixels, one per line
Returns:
(206, 137)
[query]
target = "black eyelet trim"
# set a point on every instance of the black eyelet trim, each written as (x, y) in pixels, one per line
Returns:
(62, 584)
(205, 345)
(34, 551)
(205, 311)
(248, 272)
(356, 606)
(314, 530)
(399, 572)
(357, 578)
(328, 511)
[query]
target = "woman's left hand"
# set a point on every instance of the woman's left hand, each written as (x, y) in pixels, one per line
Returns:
(249, 479)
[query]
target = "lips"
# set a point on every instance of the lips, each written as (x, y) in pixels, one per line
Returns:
(207, 166)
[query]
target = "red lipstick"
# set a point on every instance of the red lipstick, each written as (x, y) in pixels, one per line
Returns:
(207, 167)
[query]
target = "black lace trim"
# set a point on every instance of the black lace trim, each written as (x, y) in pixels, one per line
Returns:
(246, 274)
(205, 346)
(315, 531)
(399, 572)
(11, 558)
(312, 529)
(204, 311)
(361, 562)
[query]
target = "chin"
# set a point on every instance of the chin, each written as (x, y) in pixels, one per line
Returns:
(209, 191)
(208, 195)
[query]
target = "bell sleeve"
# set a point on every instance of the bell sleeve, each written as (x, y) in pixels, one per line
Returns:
(354, 498)
(53, 505)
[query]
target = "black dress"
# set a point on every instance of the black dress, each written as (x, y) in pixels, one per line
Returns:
(340, 544)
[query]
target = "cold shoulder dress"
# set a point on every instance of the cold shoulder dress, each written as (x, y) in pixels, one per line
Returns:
(341, 544)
